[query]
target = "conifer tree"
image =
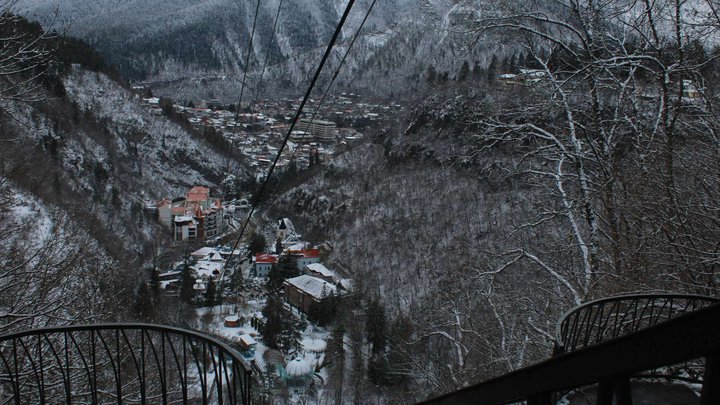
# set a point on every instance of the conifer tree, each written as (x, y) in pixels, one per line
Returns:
(143, 303)
(492, 69)
(431, 75)
(187, 292)
(285, 268)
(464, 72)
(376, 326)
(211, 294)
(257, 244)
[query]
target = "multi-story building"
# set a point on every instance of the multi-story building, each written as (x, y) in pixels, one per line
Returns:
(195, 217)
(302, 291)
(305, 257)
(262, 264)
(324, 131)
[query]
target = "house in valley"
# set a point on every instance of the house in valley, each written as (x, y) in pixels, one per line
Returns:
(302, 291)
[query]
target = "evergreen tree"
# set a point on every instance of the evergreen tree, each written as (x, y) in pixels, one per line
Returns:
(323, 312)
(335, 360)
(464, 72)
(285, 268)
(511, 65)
(376, 327)
(378, 369)
(155, 284)
(476, 70)
(237, 280)
(272, 311)
(143, 303)
(168, 109)
(291, 335)
(211, 294)
(431, 75)
(187, 282)
(257, 244)
(278, 246)
(492, 69)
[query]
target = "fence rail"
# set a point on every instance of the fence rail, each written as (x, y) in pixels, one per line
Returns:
(609, 365)
(120, 364)
(597, 321)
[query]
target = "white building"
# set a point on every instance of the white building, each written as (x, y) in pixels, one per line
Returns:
(324, 131)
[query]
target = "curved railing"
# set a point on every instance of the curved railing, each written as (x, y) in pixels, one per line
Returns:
(597, 321)
(121, 364)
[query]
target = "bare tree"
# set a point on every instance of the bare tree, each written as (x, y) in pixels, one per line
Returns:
(615, 106)
(25, 55)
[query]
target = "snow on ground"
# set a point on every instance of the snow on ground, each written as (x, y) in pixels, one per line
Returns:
(313, 339)
(28, 211)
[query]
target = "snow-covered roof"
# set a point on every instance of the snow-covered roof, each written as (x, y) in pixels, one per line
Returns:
(207, 268)
(298, 368)
(265, 258)
(165, 283)
(296, 247)
(347, 283)
(183, 218)
(247, 340)
(202, 252)
(314, 345)
(312, 286)
(320, 269)
(286, 223)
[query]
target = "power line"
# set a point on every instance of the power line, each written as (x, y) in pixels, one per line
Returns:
(242, 87)
(337, 70)
(258, 196)
(267, 54)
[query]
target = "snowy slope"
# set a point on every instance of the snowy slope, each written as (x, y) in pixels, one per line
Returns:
(176, 43)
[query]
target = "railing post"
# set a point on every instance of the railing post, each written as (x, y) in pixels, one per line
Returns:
(711, 380)
(544, 398)
(623, 393)
(604, 393)
(618, 388)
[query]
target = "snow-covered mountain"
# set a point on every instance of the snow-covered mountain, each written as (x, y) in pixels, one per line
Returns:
(91, 151)
(197, 49)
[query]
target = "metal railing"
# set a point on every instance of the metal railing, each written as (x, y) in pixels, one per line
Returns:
(607, 318)
(608, 365)
(120, 364)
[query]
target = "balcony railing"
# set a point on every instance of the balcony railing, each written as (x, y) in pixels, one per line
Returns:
(597, 321)
(148, 364)
(120, 364)
(607, 361)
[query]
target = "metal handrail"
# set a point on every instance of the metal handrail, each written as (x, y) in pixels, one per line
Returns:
(596, 321)
(120, 363)
(609, 364)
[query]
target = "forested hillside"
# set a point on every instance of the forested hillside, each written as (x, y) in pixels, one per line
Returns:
(80, 160)
(197, 50)
(505, 201)
(552, 155)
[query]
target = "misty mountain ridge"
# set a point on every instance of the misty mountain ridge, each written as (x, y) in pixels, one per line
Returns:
(197, 50)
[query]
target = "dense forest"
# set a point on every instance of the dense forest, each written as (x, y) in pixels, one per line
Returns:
(580, 161)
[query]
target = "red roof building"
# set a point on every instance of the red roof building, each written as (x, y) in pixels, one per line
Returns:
(265, 258)
(263, 264)
(198, 194)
